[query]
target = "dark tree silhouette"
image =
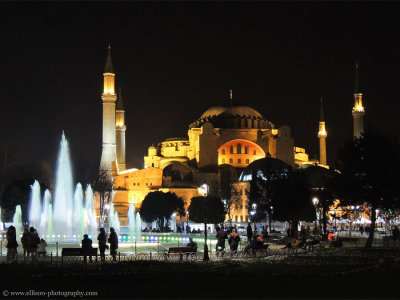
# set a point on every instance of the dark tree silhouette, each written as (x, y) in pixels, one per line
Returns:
(369, 173)
(293, 199)
(215, 210)
(158, 206)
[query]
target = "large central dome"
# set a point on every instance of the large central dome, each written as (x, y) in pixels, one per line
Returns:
(233, 116)
(233, 110)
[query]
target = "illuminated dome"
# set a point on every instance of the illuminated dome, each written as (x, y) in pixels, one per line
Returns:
(233, 110)
(233, 116)
(266, 166)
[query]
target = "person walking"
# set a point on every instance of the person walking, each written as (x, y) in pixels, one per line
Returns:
(221, 237)
(113, 240)
(86, 246)
(361, 229)
(102, 238)
(25, 242)
(249, 232)
(12, 244)
(234, 240)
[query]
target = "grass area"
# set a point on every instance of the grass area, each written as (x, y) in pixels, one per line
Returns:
(353, 273)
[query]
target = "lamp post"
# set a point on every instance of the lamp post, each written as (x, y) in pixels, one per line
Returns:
(335, 220)
(204, 187)
(252, 213)
(315, 201)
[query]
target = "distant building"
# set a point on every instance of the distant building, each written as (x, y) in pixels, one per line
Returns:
(219, 145)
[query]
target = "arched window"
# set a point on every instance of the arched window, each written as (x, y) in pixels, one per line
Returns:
(239, 161)
(254, 152)
(231, 161)
(246, 150)
(239, 149)
(247, 161)
(223, 160)
(223, 151)
(231, 148)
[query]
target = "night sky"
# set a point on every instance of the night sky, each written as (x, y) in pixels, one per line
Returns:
(175, 60)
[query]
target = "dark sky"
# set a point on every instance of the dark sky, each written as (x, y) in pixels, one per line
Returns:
(174, 60)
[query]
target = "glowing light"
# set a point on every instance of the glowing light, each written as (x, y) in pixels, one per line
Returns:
(315, 201)
(358, 108)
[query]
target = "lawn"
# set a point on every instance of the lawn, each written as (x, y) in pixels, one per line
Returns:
(327, 274)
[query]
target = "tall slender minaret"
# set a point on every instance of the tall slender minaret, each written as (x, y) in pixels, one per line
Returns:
(358, 109)
(322, 134)
(120, 132)
(108, 155)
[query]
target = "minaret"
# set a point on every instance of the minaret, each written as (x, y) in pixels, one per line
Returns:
(358, 109)
(322, 134)
(120, 132)
(108, 155)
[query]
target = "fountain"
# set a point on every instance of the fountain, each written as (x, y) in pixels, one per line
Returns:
(131, 222)
(62, 215)
(44, 217)
(138, 228)
(17, 221)
(35, 206)
(117, 224)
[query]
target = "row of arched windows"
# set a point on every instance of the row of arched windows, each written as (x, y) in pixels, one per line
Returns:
(239, 161)
(239, 150)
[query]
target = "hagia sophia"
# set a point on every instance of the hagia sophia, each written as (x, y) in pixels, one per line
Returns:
(223, 142)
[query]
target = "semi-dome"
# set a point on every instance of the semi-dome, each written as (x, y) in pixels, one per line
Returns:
(233, 116)
(266, 166)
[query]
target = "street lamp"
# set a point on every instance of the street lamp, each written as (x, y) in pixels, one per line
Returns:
(315, 201)
(204, 188)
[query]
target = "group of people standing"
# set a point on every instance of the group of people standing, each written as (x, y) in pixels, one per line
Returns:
(102, 241)
(222, 235)
(33, 246)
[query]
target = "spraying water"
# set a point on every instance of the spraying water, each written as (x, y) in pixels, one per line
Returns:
(90, 220)
(117, 224)
(35, 206)
(78, 219)
(62, 216)
(17, 221)
(138, 228)
(1, 222)
(131, 222)
(44, 217)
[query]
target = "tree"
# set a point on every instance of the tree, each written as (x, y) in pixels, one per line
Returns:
(369, 173)
(229, 190)
(103, 185)
(158, 206)
(292, 199)
(257, 204)
(215, 210)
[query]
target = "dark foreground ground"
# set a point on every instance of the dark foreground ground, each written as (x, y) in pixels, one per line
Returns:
(330, 274)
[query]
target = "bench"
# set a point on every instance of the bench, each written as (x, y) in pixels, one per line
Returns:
(78, 252)
(180, 251)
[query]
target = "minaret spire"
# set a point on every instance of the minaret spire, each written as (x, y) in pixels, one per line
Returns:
(120, 129)
(322, 135)
(358, 109)
(108, 155)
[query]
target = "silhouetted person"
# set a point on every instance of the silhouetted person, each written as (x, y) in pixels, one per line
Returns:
(234, 240)
(11, 243)
(34, 241)
(25, 242)
(86, 246)
(396, 233)
(249, 233)
(221, 237)
(42, 247)
(102, 238)
(191, 243)
(113, 240)
(361, 229)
